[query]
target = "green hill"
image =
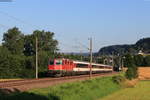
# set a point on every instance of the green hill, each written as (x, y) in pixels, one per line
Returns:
(142, 44)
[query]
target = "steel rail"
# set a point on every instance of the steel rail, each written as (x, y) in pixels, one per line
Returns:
(6, 84)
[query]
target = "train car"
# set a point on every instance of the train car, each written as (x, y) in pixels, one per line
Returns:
(63, 67)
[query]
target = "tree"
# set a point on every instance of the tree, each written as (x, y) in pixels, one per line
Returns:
(129, 73)
(4, 64)
(47, 46)
(29, 45)
(10, 65)
(139, 60)
(132, 71)
(13, 41)
(117, 63)
(46, 41)
(147, 61)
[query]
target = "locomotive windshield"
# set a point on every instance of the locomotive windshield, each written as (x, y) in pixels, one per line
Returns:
(58, 62)
(51, 62)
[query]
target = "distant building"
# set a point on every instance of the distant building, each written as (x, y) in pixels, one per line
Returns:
(143, 54)
(140, 52)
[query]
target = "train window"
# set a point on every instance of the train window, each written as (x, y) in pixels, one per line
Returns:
(58, 62)
(66, 62)
(63, 62)
(82, 66)
(51, 62)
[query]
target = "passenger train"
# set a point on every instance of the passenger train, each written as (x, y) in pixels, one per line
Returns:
(65, 67)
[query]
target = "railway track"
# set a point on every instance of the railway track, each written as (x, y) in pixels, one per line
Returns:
(21, 84)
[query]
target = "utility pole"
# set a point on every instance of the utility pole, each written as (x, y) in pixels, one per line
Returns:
(81, 53)
(90, 57)
(120, 65)
(123, 63)
(36, 58)
(113, 59)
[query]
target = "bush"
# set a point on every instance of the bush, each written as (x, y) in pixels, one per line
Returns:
(123, 82)
(131, 73)
(118, 79)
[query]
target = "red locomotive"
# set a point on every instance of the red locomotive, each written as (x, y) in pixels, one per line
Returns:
(62, 67)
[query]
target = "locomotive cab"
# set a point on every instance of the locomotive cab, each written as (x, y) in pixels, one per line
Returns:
(55, 67)
(55, 64)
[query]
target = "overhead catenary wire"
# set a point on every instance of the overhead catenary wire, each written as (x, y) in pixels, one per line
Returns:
(26, 23)
(68, 46)
(82, 45)
(19, 20)
(4, 26)
(29, 24)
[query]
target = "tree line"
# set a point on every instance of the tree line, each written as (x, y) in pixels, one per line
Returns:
(139, 60)
(142, 61)
(17, 52)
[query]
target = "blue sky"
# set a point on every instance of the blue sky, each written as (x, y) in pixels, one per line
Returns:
(108, 22)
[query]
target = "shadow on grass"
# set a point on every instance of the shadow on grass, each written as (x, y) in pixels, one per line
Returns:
(6, 94)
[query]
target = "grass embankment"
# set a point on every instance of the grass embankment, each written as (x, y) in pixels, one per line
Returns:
(82, 90)
(140, 92)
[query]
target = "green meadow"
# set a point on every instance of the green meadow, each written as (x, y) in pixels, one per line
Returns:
(94, 89)
(140, 92)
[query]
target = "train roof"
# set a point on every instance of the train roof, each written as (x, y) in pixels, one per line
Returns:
(83, 62)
